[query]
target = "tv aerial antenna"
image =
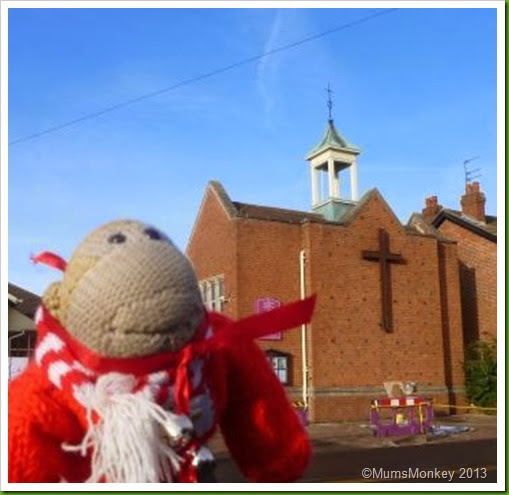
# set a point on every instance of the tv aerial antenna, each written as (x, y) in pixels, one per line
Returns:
(471, 173)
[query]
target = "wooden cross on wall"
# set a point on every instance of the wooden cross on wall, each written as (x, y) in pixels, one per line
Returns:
(384, 258)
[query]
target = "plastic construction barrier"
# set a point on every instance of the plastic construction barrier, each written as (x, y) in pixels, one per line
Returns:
(302, 412)
(397, 416)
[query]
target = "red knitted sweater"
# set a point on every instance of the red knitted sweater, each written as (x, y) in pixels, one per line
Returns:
(260, 428)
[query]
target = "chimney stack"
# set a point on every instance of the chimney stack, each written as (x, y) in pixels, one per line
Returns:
(430, 211)
(473, 202)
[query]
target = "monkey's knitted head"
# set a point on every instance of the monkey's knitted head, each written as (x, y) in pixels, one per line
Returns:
(127, 291)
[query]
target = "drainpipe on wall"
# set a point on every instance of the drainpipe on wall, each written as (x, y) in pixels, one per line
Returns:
(20, 334)
(305, 371)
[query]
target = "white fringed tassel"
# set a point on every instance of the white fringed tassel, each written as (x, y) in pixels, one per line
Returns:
(127, 441)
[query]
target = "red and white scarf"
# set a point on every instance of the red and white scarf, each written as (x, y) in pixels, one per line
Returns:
(126, 402)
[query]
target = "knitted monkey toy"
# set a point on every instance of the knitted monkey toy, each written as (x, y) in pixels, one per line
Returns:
(131, 375)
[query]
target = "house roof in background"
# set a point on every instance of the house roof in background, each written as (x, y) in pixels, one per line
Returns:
(24, 301)
(486, 229)
(417, 223)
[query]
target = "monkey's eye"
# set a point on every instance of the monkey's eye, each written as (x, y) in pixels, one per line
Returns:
(153, 234)
(117, 238)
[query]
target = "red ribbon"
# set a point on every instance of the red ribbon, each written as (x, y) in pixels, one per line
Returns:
(259, 325)
(183, 386)
(50, 259)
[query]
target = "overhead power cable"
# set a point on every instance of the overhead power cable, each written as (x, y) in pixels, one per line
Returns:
(206, 75)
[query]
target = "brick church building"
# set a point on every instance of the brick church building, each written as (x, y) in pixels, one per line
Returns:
(388, 295)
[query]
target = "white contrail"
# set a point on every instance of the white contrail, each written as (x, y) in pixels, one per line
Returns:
(267, 67)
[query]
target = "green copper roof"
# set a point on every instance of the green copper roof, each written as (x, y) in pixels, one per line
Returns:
(331, 139)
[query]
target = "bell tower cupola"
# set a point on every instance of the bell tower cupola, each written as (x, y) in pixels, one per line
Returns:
(331, 159)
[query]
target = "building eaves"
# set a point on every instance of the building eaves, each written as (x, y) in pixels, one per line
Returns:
(28, 302)
(487, 230)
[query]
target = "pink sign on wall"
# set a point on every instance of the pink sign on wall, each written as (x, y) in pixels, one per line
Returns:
(267, 304)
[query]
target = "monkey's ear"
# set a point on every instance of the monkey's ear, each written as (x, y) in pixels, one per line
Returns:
(52, 300)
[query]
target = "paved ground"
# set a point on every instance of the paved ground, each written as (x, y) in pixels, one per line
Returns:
(358, 435)
(355, 436)
(340, 449)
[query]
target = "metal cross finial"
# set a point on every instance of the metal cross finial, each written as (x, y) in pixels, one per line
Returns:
(329, 100)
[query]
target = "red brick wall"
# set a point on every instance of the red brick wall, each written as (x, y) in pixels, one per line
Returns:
(212, 247)
(478, 269)
(350, 348)
(268, 254)
(452, 331)
(348, 319)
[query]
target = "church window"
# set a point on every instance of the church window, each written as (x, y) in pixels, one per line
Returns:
(280, 362)
(212, 291)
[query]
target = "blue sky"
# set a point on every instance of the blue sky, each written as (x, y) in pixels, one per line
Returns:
(415, 89)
